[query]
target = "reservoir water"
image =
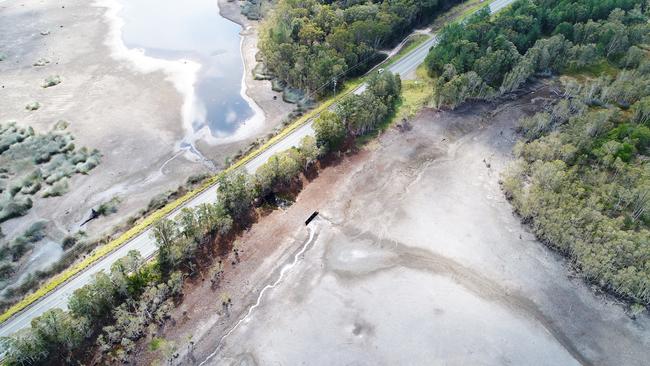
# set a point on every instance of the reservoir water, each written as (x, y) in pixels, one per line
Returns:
(194, 30)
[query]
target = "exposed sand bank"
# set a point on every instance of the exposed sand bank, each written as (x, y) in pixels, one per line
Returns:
(181, 73)
(417, 258)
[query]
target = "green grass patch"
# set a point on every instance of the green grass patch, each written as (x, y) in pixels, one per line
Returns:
(156, 343)
(416, 94)
(601, 68)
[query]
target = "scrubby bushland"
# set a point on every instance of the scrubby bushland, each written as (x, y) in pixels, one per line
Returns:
(581, 178)
(32, 166)
(488, 56)
(357, 115)
(117, 309)
(116, 306)
(308, 44)
(33, 163)
(79, 245)
(15, 249)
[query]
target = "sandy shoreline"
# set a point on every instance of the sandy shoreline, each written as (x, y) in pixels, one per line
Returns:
(183, 75)
(258, 92)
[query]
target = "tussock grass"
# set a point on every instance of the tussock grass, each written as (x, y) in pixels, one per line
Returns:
(41, 62)
(51, 81)
(33, 106)
(34, 164)
(109, 207)
(57, 189)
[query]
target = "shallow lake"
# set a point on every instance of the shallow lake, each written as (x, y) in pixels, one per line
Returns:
(194, 30)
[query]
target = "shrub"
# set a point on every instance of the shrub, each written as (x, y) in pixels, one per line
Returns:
(57, 189)
(51, 81)
(33, 106)
(197, 178)
(23, 243)
(158, 201)
(14, 207)
(6, 270)
(41, 62)
(61, 125)
(35, 232)
(278, 85)
(109, 207)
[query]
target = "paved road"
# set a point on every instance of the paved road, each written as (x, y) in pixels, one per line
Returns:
(145, 244)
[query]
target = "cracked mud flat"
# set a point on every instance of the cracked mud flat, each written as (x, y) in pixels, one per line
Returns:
(418, 260)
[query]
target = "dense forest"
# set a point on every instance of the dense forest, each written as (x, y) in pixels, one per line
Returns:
(119, 308)
(582, 177)
(583, 184)
(308, 44)
(488, 56)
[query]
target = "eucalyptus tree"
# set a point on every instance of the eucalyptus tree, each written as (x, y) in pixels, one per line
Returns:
(236, 194)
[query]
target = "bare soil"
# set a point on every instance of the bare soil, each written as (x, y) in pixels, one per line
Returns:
(417, 258)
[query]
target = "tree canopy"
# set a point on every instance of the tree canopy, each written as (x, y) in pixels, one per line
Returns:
(581, 178)
(491, 55)
(308, 44)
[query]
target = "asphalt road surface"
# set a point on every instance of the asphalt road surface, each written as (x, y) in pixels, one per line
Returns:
(145, 244)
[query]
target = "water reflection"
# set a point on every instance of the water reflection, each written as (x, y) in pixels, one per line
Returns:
(194, 30)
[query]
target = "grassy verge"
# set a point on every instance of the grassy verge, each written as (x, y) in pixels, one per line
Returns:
(415, 41)
(416, 94)
(478, 5)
